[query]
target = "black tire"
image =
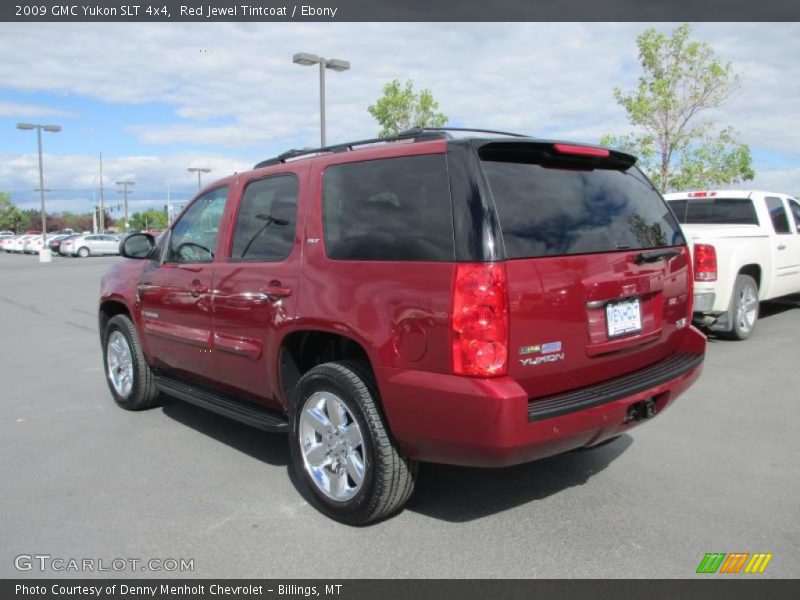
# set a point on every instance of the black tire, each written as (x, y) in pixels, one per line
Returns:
(389, 475)
(83, 252)
(144, 393)
(744, 286)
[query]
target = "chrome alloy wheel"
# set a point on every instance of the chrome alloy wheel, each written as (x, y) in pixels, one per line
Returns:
(746, 307)
(120, 363)
(332, 446)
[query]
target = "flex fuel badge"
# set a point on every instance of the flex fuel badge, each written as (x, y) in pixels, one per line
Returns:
(530, 349)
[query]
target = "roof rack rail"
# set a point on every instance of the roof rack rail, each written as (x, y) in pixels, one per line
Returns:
(411, 134)
(467, 129)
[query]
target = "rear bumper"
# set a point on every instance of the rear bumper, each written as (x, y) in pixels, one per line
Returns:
(492, 423)
(704, 302)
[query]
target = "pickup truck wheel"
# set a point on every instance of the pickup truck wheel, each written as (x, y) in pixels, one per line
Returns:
(127, 372)
(743, 312)
(341, 449)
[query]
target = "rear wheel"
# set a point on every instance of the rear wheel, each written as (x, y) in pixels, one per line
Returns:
(83, 252)
(127, 372)
(743, 310)
(341, 449)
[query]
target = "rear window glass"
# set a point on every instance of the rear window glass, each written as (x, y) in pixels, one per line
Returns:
(551, 211)
(715, 211)
(388, 209)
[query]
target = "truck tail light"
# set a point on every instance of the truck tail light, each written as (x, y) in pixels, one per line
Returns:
(480, 320)
(705, 262)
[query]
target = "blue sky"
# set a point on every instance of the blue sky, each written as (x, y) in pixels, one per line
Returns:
(158, 98)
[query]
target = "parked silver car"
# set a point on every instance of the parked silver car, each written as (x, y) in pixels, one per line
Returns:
(92, 244)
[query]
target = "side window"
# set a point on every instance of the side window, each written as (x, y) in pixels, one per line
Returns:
(777, 213)
(195, 235)
(795, 208)
(267, 220)
(388, 209)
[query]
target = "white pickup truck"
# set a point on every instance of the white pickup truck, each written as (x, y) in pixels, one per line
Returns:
(746, 249)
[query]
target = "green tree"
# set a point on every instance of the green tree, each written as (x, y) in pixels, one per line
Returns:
(149, 219)
(678, 144)
(31, 220)
(11, 217)
(400, 108)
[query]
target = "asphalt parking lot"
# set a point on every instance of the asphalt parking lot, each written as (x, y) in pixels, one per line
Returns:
(718, 472)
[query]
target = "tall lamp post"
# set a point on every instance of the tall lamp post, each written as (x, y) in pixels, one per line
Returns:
(334, 64)
(124, 192)
(199, 172)
(38, 128)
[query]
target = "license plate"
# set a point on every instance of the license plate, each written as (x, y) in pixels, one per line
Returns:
(623, 317)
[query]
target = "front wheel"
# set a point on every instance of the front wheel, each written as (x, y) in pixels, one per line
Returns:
(341, 449)
(743, 311)
(83, 252)
(127, 372)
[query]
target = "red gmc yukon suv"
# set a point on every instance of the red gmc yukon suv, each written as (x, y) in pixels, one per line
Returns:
(482, 301)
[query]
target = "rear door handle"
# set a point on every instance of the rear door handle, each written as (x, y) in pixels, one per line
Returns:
(198, 288)
(275, 291)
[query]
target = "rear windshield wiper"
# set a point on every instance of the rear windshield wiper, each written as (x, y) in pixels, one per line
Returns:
(654, 255)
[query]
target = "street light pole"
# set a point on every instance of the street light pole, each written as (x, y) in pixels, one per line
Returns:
(94, 212)
(306, 60)
(38, 128)
(124, 192)
(199, 172)
(322, 136)
(102, 213)
(41, 187)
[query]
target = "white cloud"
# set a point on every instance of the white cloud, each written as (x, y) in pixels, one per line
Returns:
(776, 180)
(531, 76)
(22, 110)
(243, 92)
(74, 179)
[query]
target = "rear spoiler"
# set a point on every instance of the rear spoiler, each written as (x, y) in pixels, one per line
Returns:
(550, 152)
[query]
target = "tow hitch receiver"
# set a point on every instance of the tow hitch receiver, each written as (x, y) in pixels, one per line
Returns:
(645, 409)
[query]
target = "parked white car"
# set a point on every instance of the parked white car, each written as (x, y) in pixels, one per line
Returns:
(19, 241)
(35, 244)
(8, 243)
(92, 244)
(746, 249)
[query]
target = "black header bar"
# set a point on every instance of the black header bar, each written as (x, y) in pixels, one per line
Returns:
(736, 587)
(397, 10)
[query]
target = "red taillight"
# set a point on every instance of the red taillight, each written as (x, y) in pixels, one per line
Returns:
(581, 150)
(705, 262)
(702, 194)
(690, 286)
(480, 320)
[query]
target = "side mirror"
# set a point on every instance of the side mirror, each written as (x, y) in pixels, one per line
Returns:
(137, 245)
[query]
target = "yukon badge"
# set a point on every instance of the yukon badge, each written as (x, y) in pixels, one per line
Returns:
(547, 358)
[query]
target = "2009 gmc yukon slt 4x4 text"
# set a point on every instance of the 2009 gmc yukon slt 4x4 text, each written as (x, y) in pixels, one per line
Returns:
(481, 301)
